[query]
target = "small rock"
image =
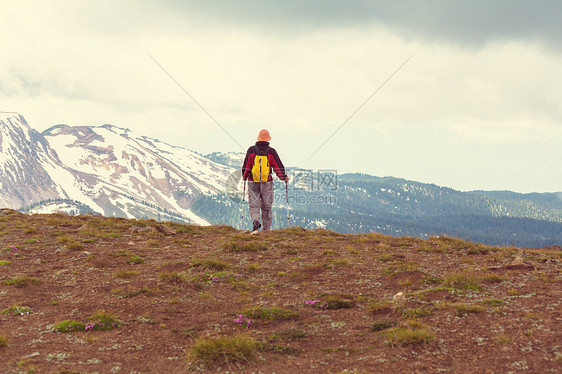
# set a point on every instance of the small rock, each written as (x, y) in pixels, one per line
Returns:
(147, 229)
(84, 255)
(518, 263)
(134, 229)
(399, 298)
(165, 230)
(518, 260)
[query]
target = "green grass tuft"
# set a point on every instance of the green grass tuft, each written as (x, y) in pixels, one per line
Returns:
(270, 313)
(243, 244)
(69, 326)
(135, 259)
(16, 310)
(462, 309)
(492, 302)
(414, 313)
(395, 269)
(181, 228)
(104, 321)
(63, 239)
(462, 281)
(75, 246)
(402, 335)
(127, 274)
(100, 321)
(216, 351)
(5, 262)
(20, 282)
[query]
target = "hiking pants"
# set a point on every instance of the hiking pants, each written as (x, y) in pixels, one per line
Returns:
(260, 197)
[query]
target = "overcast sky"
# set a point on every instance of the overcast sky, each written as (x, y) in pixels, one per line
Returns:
(478, 106)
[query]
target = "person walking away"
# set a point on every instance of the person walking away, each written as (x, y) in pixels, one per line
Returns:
(259, 162)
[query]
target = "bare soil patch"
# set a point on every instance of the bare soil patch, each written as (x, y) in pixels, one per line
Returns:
(285, 301)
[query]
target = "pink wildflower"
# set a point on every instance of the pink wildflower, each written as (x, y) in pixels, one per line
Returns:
(90, 326)
(310, 302)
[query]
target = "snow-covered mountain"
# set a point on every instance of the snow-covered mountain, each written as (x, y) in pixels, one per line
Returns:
(104, 169)
(30, 170)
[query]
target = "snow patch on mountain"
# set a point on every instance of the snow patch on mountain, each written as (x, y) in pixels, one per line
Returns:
(232, 159)
(121, 171)
(24, 152)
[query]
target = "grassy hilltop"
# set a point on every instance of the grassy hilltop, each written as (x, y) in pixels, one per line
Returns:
(92, 294)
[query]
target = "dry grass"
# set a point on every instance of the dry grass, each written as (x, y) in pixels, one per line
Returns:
(174, 277)
(462, 309)
(244, 245)
(404, 334)
(126, 274)
(462, 281)
(222, 350)
(128, 292)
(4, 341)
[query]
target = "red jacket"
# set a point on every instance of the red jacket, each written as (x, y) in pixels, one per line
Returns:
(273, 158)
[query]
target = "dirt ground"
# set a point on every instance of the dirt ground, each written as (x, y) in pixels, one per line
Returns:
(345, 303)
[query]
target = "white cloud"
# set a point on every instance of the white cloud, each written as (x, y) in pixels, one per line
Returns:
(86, 63)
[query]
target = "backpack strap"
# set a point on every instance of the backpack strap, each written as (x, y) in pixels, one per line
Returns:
(260, 153)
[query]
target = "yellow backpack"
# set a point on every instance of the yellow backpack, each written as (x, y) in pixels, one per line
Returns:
(260, 170)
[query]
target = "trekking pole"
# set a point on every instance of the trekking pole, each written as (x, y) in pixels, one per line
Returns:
(242, 203)
(287, 196)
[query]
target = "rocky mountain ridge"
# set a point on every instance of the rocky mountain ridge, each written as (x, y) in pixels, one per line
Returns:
(105, 169)
(27, 163)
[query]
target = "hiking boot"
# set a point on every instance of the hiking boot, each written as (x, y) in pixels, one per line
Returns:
(257, 225)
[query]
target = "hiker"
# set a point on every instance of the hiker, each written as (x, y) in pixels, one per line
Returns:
(260, 159)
